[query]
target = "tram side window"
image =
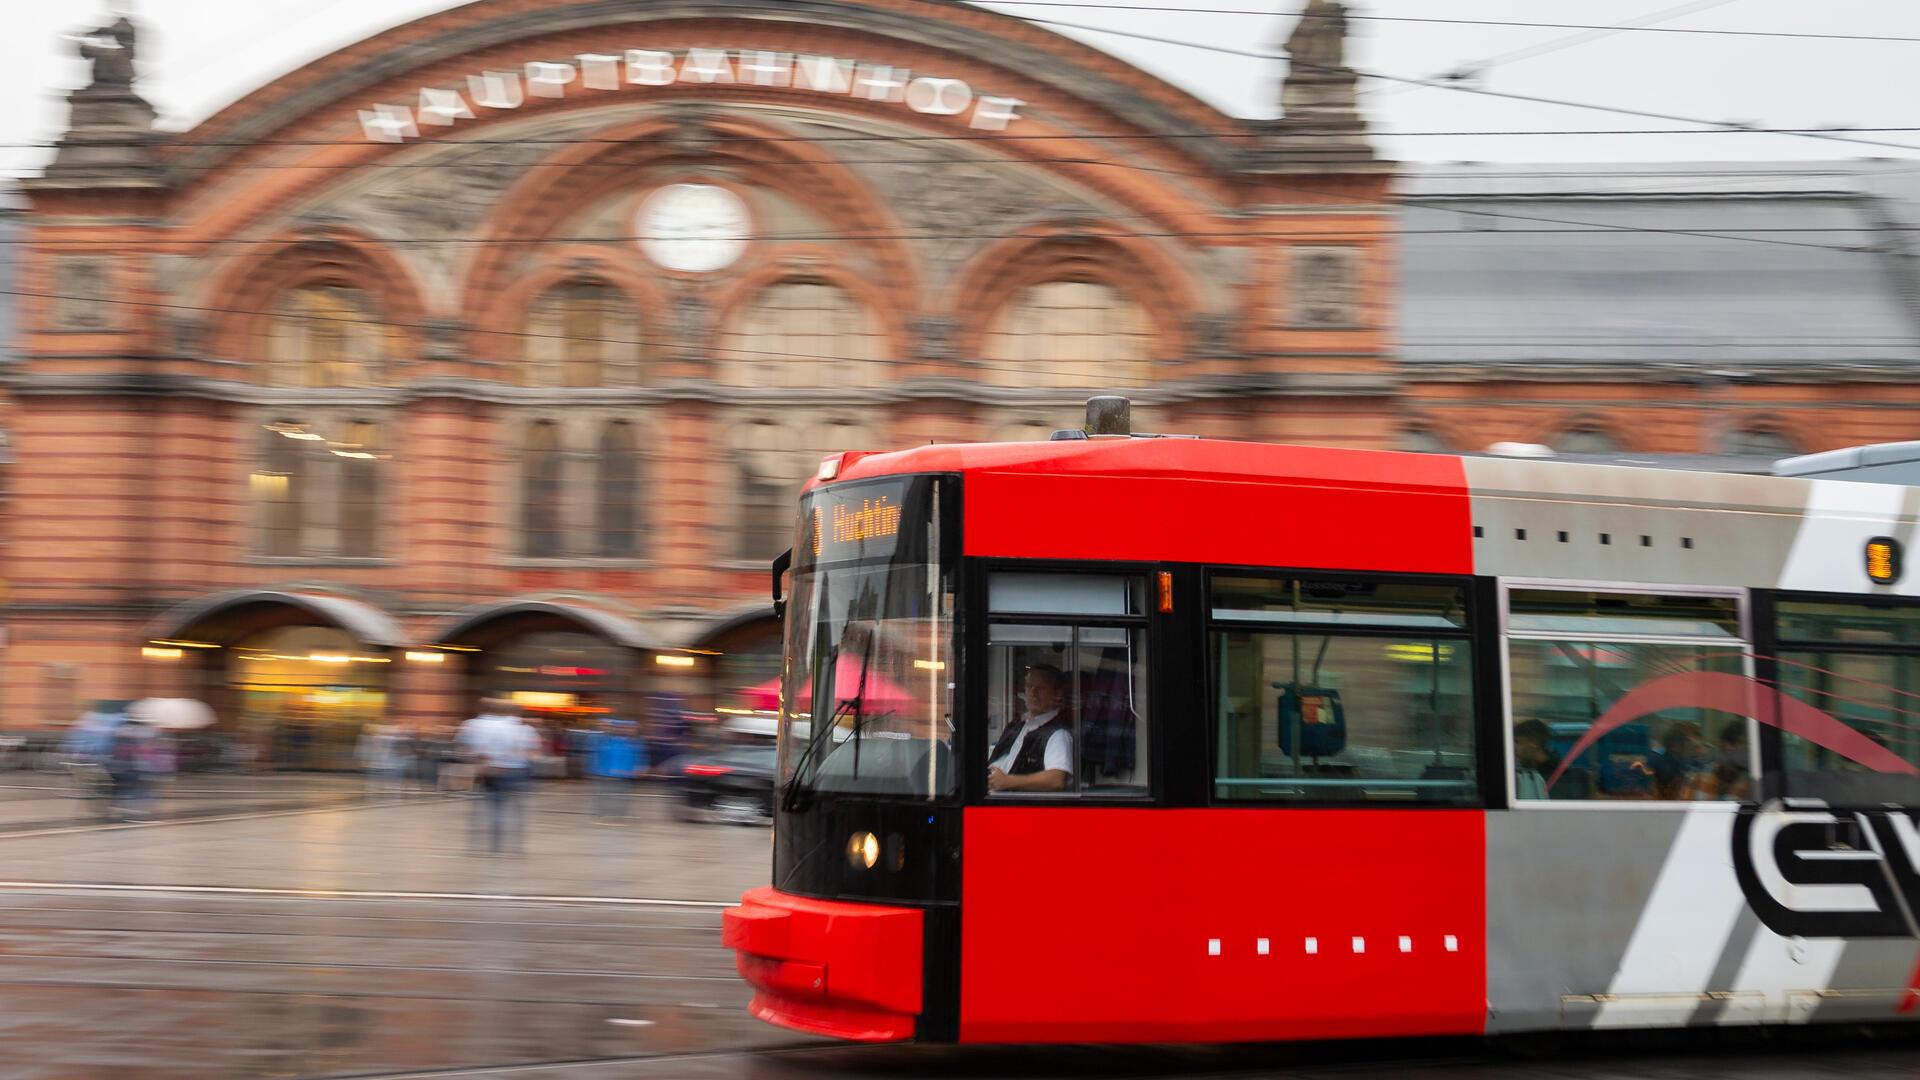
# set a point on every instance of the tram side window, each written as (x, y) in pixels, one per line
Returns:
(1338, 691)
(1067, 698)
(1860, 665)
(1573, 655)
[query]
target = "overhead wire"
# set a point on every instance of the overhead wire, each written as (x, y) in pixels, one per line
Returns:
(1436, 21)
(1473, 68)
(1462, 88)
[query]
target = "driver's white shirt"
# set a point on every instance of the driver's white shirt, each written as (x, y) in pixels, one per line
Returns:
(1059, 753)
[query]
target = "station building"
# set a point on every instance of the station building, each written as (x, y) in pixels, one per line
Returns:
(486, 355)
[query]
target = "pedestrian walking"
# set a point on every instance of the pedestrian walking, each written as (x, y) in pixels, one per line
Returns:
(502, 747)
(384, 753)
(139, 757)
(615, 759)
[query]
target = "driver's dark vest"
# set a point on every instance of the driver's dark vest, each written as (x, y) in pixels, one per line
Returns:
(1033, 753)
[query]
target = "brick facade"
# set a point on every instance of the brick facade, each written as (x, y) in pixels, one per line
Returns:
(152, 375)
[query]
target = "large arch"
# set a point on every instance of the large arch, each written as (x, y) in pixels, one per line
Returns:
(293, 675)
(564, 659)
(224, 617)
(1028, 57)
(272, 150)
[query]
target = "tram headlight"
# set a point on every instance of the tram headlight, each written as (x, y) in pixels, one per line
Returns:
(863, 850)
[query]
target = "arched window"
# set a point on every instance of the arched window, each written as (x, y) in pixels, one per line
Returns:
(359, 453)
(542, 529)
(280, 487)
(1420, 440)
(619, 497)
(583, 333)
(1759, 442)
(799, 334)
(325, 336)
(1587, 441)
(1069, 334)
(763, 463)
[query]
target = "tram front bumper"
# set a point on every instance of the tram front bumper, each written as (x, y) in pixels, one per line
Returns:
(845, 970)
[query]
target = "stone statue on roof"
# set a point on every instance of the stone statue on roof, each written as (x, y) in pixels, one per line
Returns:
(1319, 40)
(111, 50)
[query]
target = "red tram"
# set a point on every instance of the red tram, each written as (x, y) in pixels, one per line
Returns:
(1133, 739)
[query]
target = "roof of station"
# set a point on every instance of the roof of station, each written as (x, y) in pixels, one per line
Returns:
(1723, 265)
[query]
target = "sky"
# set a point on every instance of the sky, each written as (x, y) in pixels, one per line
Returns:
(199, 55)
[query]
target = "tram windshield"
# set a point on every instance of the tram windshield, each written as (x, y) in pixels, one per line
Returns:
(866, 702)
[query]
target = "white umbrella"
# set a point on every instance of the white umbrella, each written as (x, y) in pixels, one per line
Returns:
(181, 714)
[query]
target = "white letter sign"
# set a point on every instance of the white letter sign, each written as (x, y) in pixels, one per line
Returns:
(825, 74)
(939, 97)
(878, 82)
(599, 72)
(388, 123)
(443, 107)
(995, 113)
(496, 90)
(649, 68)
(707, 66)
(767, 68)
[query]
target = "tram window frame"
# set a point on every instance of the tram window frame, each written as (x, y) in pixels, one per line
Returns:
(1780, 645)
(1468, 633)
(1744, 629)
(978, 679)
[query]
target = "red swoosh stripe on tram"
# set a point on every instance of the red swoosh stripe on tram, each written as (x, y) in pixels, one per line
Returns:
(1912, 1000)
(1739, 695)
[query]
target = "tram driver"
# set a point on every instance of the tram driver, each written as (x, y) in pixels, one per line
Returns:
(1036, 753)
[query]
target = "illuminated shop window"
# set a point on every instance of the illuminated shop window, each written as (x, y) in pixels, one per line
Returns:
(583, 333)
(798, 334)
(1069, 334)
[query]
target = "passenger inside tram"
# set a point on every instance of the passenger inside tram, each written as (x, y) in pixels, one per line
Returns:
(1534, 761)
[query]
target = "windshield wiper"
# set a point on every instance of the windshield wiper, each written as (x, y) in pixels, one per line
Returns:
(790, 801)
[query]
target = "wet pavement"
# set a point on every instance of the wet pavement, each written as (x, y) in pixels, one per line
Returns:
(33, 800)
(354, 939)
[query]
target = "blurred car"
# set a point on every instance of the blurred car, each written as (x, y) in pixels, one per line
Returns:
(731, 786)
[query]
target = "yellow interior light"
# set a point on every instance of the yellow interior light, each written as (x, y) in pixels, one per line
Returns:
(667, 660)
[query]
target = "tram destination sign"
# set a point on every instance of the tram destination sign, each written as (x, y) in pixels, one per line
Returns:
(861, 521)
(641, 68)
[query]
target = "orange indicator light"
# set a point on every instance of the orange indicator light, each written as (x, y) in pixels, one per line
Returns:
(1883, 560)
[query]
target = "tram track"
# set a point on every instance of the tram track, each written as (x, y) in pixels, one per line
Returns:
(437, 969)
(575, 1064)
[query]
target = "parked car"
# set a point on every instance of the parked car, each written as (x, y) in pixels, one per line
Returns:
(732, 785)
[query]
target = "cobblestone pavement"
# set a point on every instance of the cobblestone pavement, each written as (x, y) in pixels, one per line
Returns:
(354, 939)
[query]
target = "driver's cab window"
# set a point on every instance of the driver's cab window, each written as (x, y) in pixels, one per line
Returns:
(1067, 685)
